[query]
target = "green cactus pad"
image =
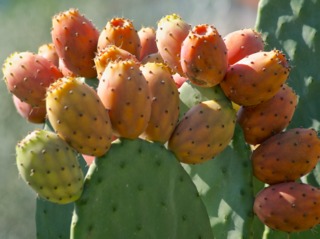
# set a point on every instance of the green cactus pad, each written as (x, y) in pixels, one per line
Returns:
(139, 190)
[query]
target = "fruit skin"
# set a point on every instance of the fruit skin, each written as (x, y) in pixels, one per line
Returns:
(204, 56)
(108, 54)
(27, 75)
(179, 80)
(268, 118)
(49, 52)
(286, 156)
(36, 115)
(49, 166)
(124, 92)
(170, 33)
(256, 78)
(78, 116)
(288, 207)
(121, 33)
(165, 102)
(154, 57)
(205, 130)
(75, 39)
(147, 36)
(241, 43)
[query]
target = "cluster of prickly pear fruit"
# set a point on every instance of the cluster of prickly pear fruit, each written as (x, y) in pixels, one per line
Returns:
(173, 93)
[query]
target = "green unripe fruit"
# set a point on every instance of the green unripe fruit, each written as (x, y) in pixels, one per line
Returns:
(50, 167)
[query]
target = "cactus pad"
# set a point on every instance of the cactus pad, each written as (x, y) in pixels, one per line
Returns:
(120, 199)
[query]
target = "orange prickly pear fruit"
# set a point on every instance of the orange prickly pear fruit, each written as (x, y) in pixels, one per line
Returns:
(242, 43)
(256, 78)
(78, 116)
(125, 94)
(170, 33)
(268, 118)
(49, 52)
(204, 131)
(204, 56)
(286, 156)
(288, 207)
(165, 102)
(27, 76)
(147, 36)
(122, 33)
(75, 39)
(108, 54)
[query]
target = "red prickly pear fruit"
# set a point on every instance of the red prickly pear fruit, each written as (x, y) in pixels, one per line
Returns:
(204, 56)
(179, 80)
(50, 167)
(268, 118)
(75, 39)
(170, 33)
(65, 70)
(121, 33)
(125, 94)
(286, 156)
(108, 54)
(256, 78)
(205, 130)
(147, 36)
(165, 102)
(49, 52)
(288, 207)
(27, 76)
(78, 116)
(36, 115)
(242, 43)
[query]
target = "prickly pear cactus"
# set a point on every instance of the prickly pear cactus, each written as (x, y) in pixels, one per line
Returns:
(292, 26)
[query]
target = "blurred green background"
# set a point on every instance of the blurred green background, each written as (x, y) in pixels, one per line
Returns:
(25, 25)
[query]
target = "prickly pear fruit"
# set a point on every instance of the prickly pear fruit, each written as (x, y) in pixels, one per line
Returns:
(179, 80)
(27, 75)
(110, 53)
(75, 39)
(165, 102)
(268, 118)
(78, 116)
(289, 207)
(147, 36)
(242, 43)
(154, 57)
(125, 94)
(36, 115)
(256, 78)
(65, 70)
(170, 33)
(49, 166)
(122, 33)
(49, 52)
(204, 56)
(286, 156)
(205, 130)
